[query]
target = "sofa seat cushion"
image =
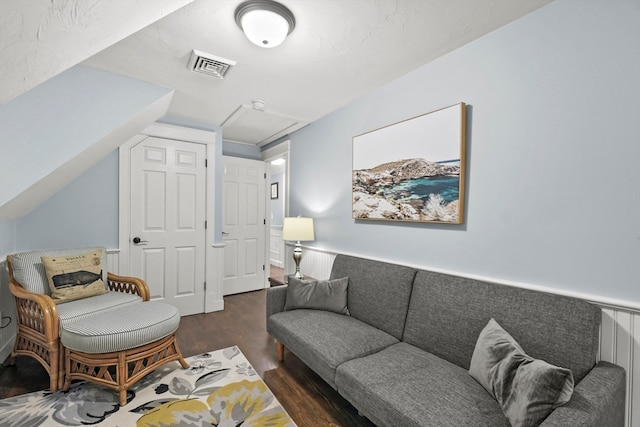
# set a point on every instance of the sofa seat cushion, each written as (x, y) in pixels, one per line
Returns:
(405, 386)
(122, 328)
(86, 307)
(323, 340)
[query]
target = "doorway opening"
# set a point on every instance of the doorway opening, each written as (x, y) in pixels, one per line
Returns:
(277, 159)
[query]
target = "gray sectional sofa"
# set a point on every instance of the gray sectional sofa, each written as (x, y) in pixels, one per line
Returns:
(402, 355)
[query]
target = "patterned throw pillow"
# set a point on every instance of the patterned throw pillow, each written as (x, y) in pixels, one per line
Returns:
(527, 389)
(75, 276)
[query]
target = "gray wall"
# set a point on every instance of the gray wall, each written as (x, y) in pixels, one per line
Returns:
(553, 195)
(244, 151)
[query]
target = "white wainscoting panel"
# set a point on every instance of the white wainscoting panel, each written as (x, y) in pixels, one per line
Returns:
(113, 261)
(314, 263)
(619, 330)
(620, 344)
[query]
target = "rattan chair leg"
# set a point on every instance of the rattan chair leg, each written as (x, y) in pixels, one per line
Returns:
(130, 365)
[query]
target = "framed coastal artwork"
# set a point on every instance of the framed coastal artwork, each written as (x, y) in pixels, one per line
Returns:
(413, 170)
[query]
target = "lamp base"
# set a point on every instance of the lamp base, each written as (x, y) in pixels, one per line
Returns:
(297, 257)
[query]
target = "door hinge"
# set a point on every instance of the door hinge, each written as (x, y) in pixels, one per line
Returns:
(265, 175)
(205, 286)
(206, 163)
(264, 221)
(263, 267)
(205, 224)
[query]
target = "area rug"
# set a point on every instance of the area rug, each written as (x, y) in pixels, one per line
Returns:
(219, 388)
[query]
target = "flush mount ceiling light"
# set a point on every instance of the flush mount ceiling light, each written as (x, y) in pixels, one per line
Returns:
(265, 22)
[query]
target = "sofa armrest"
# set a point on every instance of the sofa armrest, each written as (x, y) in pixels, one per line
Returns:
(598, 400)
(276, 298)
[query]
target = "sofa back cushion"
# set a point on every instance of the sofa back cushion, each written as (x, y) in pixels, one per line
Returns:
(447, 314)
(29, 271)
(378, 292)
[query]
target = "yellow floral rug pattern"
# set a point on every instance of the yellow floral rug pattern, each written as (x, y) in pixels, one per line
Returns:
(219, 388)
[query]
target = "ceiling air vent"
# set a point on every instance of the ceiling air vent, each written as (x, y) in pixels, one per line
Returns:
(211, 65)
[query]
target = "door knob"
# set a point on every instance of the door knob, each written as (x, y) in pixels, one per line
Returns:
(137, 241)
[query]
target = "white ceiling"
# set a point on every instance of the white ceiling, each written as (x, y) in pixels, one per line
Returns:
(339, 51)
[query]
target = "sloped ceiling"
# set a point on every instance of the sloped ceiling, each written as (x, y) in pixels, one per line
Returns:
(53, 133)
(42, 38)
(338, 51)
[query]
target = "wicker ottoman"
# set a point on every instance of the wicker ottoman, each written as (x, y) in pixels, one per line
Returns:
(119, 347)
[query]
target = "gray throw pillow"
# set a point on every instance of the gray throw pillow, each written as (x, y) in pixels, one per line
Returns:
(527, 389)
(328, 295)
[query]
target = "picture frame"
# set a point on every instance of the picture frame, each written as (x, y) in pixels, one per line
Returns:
(413, 170)
(274, 190)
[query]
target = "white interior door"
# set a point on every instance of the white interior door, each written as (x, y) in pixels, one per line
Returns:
(244, 225)
(168, 211)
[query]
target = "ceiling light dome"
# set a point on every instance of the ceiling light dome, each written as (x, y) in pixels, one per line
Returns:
(265, 22)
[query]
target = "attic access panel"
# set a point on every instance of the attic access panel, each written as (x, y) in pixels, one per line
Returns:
(249, 125)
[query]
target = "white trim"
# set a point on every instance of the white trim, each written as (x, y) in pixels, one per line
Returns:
(276, 151)
(214, 300)
(231, 141)
(124, 200)
(213, 276)
(281, 150)
(163, 130)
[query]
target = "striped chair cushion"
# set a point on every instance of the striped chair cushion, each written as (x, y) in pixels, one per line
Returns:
(82, 308)
(29, 270)
(121, 329)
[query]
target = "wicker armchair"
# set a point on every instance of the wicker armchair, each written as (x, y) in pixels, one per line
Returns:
(39, 318)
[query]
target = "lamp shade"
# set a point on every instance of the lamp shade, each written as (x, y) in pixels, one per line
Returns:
(298, 228)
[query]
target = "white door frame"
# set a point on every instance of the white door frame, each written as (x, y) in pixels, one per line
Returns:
(213, 252)
(279, 151)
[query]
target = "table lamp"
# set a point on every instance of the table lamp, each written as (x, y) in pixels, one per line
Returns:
(298, 229)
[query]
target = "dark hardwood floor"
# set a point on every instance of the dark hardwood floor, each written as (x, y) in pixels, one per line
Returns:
(306, 397)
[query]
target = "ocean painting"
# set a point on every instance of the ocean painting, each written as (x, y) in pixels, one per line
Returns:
(412, 170)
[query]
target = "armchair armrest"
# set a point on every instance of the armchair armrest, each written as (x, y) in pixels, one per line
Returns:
(598, 400)
(129, 285)
(37, 313)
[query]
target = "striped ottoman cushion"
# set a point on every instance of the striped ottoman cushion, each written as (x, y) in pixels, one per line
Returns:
(121, 329)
